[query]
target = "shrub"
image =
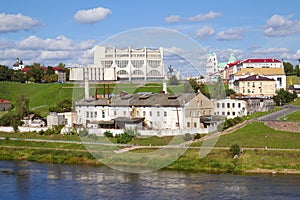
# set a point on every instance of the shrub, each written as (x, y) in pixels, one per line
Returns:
(197, 136)
(235, 149)
(187, 137)
(124, 138)
(83, 132)
(108, 134)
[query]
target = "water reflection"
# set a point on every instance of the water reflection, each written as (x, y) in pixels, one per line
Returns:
(27, 180)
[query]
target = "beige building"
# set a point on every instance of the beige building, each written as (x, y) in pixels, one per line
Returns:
(277, 74)
(255, 86)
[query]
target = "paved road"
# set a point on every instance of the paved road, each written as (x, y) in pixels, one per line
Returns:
(276, 115)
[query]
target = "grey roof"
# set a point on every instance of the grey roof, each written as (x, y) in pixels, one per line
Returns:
(141, 100)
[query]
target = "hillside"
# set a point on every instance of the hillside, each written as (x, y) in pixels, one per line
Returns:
(43, 96)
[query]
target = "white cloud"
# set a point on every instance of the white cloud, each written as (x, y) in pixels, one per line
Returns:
(92, 15)
(279, 25)
(209, 16)
(231, 34)
(172, 19)
(271, 51)
(197, 18)
(205, 31)
(18, 22)
(49, 51)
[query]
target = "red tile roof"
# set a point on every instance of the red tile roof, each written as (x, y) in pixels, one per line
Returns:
(261, 60)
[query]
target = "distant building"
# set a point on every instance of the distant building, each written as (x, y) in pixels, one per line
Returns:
(255, 86)
(33, 120)
(277, 74)
(18, 65)
(61, 73)
(4, 105)
(130, 64)
(230, 108)
(68, 119)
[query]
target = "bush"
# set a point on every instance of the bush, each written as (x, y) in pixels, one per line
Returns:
(187, 137)
(235, 149)
(108, 134)
(124, 138)
(197, 136)
(83, 132)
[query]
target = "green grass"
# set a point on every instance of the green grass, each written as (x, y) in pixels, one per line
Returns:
(35, 135)
(259, 135)
(292, 117)
(296, 102)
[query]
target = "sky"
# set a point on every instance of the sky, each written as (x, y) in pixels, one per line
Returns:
(54, 31)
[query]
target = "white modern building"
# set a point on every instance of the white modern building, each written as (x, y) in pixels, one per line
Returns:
(123, 64)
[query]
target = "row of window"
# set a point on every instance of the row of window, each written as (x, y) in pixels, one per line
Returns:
(228, 105)
(225, 114)
(94, 114)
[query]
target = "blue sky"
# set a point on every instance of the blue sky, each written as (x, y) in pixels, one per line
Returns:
(53, 31)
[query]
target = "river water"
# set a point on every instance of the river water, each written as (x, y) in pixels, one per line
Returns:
(29, 180)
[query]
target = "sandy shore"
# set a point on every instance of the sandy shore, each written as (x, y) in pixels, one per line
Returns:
(272, 171)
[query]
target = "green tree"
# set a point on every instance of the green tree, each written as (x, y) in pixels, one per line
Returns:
(63, 106)
(282, 96)
(22, 106)
(218, 91)
(297, 70)
(235, 149)
(288, 67)
(17, 76)
(173, 80)
(5, 73)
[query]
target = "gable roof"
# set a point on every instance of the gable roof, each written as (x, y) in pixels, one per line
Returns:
(261, 71)
(255, 78)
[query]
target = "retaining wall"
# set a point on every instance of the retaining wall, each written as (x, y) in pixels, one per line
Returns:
(284, 126)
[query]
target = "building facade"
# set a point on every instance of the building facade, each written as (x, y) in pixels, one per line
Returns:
(155, 111)
(255, 86)
(123, 64)
(230, 108)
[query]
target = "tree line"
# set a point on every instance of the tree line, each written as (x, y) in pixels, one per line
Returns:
(290, 70)
(34, 73)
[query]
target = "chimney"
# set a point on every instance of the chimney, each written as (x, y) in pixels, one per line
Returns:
(86, 83)
(165, 86)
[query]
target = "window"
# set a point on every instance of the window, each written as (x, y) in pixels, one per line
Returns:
(144, 113)
(260, 90)
(279, 79)
(177, 124)
(188, 124)
(91, 114)
(158, 114)
(228, 113)
(137, 113)
(150, 113)
(223, 105)
(218, 105)
(115, 112)
(228, 105)
(248, 84)
(87, 114)
(248, 91)
(233, 105)
(165, 113)
(95, 114)
(195, 124)
(103, 114)
(223, 113)
(233, 113)
(124, 113)
(239, 105)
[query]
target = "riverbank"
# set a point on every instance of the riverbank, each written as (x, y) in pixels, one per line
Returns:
(263, 151)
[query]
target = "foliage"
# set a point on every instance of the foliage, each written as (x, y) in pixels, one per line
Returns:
(283, 97)
(108, 134)
(173, 80)
(197, 136)
(231, 122)
(187, 137)
(196, 87)
(218, 91)
(63, 106)
(22, 106)
(235, 149)
(83, 132)
(127, 135)
(288, 67)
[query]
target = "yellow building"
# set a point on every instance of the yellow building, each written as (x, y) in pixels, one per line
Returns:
(255, 86)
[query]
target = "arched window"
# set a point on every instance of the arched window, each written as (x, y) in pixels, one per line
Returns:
(122, 72)
(137, 72)
(154, 72)
(137, 63)
(122, 63)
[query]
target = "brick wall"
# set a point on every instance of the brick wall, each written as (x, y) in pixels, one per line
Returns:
(284, 126)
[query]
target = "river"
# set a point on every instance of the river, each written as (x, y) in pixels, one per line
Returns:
(29, 180)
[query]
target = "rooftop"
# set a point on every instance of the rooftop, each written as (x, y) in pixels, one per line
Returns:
(261, 71)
